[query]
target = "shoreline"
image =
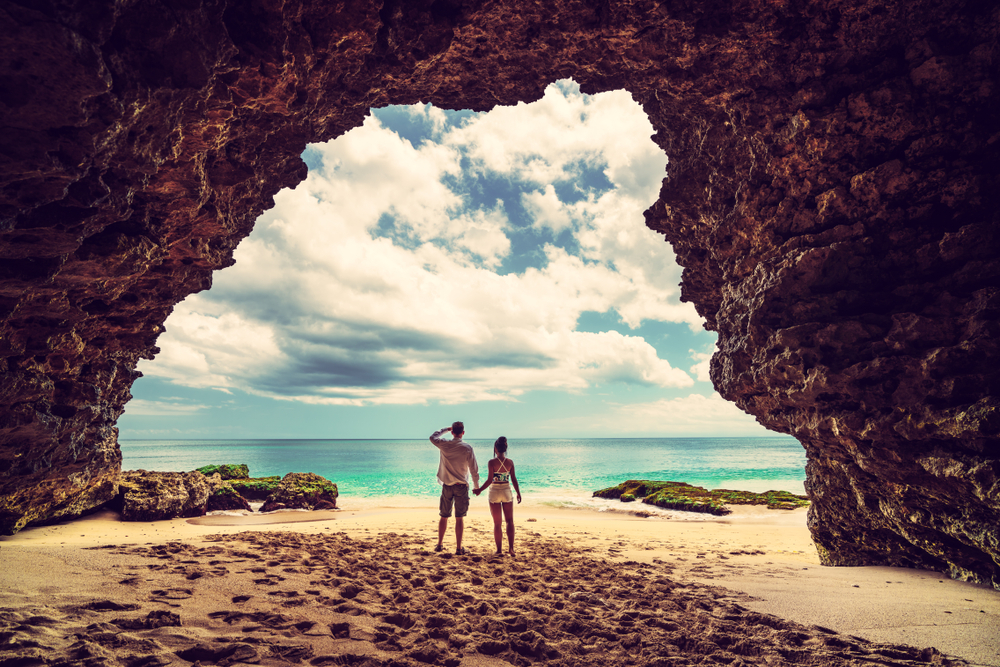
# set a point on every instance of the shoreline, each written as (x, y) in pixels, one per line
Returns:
(761, 560)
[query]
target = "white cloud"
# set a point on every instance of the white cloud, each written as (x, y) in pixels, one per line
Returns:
(701, 368)
(691, 414)
(377, 281)
(168, 408)
(482, 235)
(694, 415)
(547, 140)
(547, 210)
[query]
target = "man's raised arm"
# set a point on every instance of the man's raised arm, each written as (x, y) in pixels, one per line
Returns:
(436, 439)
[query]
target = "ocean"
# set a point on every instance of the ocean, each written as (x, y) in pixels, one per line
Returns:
(552, 471)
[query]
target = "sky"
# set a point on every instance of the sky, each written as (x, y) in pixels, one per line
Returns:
(438, 266)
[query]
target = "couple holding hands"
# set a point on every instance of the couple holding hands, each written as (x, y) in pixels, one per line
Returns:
(458, 461)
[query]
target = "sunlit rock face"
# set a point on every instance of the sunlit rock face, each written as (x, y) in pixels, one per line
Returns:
(832, 194)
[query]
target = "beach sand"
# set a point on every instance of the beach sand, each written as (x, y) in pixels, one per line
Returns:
(365, 588)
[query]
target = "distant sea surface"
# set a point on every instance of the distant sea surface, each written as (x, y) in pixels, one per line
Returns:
(558, 472)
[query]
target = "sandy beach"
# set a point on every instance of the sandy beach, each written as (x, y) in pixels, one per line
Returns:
(365, 588)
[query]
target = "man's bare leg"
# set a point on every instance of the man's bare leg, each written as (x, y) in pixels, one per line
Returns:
(459, 529)
(442, 529)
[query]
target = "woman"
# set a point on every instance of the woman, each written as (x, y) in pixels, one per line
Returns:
(501, 476)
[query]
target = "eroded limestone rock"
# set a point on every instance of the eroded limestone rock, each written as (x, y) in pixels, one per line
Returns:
(302, 490)
(832, 195)
(224, 497)
(153, 496)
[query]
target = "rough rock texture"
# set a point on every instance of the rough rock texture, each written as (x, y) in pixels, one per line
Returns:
(685, 497)
(302, 490)
(221, 493)
(224, 497)
(152, 496)
(255, 488)
(226, 471)
(832, 194)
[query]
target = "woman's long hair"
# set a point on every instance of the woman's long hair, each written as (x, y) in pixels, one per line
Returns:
(501, 447)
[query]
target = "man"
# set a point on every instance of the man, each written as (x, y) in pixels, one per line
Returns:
(457, 461)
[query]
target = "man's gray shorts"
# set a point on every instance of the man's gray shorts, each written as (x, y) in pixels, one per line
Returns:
(457, 495)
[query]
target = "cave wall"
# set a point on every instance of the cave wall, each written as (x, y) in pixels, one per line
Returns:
(832, 195)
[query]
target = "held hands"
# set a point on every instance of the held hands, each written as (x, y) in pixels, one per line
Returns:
(518, 497)
(477, 490)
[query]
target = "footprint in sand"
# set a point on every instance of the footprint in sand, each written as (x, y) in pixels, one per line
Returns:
(152, 620)
(171, 594)
(109, 605)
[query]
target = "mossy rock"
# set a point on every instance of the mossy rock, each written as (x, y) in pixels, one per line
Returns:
(226, 470)
(775, 500)
(302, 490)
(634, 487)
(154, 496)
(225, 497)
(255, 488)
(688, 498)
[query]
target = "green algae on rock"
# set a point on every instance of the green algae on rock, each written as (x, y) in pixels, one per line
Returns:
(256, 488)
(302, 490)
(688, 498)
(225, 497)
(226, 470)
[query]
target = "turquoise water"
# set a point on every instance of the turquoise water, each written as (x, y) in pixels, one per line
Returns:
(558, 471)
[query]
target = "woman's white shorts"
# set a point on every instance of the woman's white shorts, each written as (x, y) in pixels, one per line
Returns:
(501, 493)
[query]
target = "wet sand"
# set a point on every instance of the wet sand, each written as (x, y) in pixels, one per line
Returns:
(366, 588)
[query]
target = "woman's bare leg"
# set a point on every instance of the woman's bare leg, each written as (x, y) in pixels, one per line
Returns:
(508, 514)
(497, 533)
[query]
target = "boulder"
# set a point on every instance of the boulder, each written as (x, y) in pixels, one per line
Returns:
(152, 496)
(223, 496)
(302, 490)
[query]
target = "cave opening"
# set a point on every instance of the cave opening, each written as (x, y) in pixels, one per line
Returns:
(499, 254)
(835, 214)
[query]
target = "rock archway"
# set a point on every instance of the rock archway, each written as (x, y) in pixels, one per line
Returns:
(832, 194)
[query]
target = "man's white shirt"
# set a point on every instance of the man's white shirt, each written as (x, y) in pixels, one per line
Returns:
(458, 460)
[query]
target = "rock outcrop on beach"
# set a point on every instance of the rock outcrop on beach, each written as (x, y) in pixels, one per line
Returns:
(302, 490)
(153, 496)
(222, 495)
(225, 498)
(832, 195)
(687, 498)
